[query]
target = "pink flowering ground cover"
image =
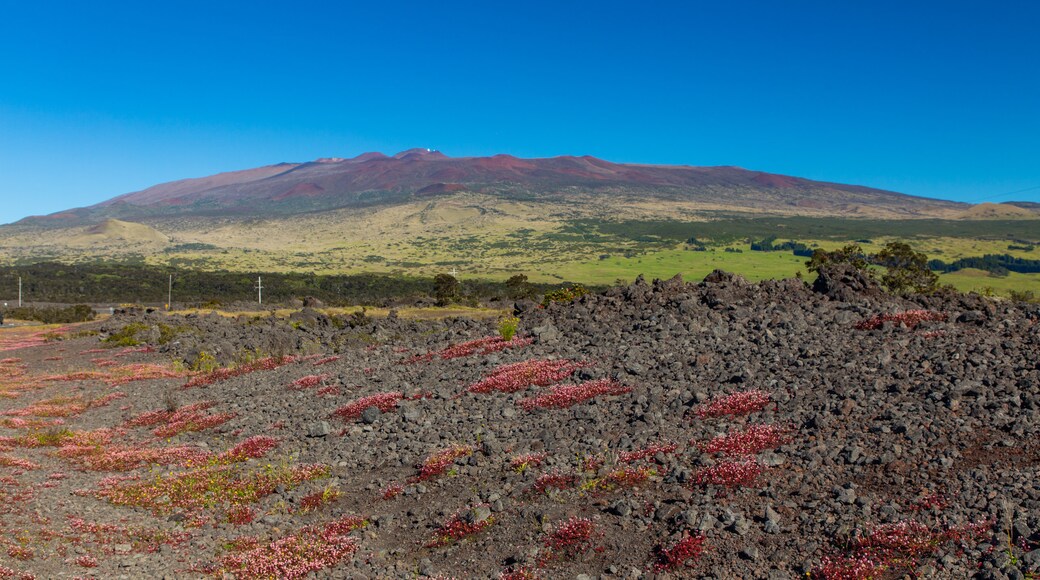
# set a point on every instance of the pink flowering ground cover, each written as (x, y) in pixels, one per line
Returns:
(385, 402)
(563, 396)
(519, 376)
(737, 404)
(312, 549)
(748, 441)
(189, 418)
(223, 374)
(486, 345)
(909, 318)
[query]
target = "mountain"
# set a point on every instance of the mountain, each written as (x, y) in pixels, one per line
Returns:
(375, 179)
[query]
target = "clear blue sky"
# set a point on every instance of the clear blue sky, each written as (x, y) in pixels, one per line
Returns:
(939, 99)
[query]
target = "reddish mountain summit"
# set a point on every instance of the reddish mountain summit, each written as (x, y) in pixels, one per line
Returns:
(373, 179)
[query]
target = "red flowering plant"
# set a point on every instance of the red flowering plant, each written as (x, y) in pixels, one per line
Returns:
(898, 546)
(568, 539)
(908, 318)
(684, 552)
(308, 381)
(486, 345)
(461, 525)
(520, 463)
(647, 452)
(519, 376)
(554, 480)
(749, 441)
(564, 396)
(736, 404)
(296, 555)
(439, 462)
(223, 374)
(730, 473)
(385, 402)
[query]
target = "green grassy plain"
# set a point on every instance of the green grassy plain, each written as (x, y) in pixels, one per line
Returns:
(484, 238)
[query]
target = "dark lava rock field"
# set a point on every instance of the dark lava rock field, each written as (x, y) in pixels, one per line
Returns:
(718, 429)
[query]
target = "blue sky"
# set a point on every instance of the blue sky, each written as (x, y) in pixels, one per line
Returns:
(939, 99)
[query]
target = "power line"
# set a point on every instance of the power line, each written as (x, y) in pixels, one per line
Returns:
(1035, 187)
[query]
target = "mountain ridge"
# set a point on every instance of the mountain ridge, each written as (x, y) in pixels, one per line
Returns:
(376, 179)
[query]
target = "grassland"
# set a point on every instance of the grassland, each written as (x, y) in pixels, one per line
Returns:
(485, 238)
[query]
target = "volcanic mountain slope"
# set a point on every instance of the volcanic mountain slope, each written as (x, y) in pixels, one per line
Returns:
(712, 430)
(374, 179)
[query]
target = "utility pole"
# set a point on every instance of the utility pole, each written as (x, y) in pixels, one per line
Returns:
(169, 294)
(259, 291)
(19, 292)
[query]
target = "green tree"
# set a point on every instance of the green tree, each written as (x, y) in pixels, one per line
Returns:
(906, 270)
(850, 254)
(446, 289)
(518, 287)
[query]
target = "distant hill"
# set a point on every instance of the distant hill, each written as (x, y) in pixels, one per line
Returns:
(1000, 211)
(377, 180)
(117, 231)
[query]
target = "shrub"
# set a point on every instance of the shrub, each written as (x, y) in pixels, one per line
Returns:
(507, 327)
(446, 289)
(52, 315)
(852, 254)
(906, 270)
(624, 477)
(320, 499)
(554, 479)
(564, 295)
(223, 374)
(126, 336)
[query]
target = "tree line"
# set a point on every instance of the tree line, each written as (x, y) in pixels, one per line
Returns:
(999, 264)
(130, 283)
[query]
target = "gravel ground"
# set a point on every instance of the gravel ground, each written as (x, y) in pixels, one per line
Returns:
(891, 445)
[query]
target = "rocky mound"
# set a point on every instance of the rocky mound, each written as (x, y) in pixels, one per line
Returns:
(713, 430)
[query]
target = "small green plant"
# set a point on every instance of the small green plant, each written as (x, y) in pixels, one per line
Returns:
(507, 327)
(126, 336)
(168, 333)
(204, 362)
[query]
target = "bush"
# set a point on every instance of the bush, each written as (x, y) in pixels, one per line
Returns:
(52, 315)
(518, 287)
(564, 295)
(852, 254)
(126, 336)
(907, 270)
(507, 327)
(446, 289)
